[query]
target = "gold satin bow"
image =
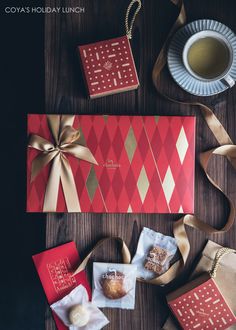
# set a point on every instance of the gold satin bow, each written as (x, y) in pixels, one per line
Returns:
(66, 141)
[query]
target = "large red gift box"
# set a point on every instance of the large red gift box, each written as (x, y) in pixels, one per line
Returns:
(144, 164)
(201, 307)
(55, 268)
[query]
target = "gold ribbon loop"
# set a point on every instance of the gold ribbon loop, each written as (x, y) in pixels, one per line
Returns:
(124, 251)
(68, 135)
(55, 126)
(66, 140)
(39, 143)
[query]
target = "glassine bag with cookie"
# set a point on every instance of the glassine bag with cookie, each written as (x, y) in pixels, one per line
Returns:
(114, 285)
(78, 313)
(153, 254)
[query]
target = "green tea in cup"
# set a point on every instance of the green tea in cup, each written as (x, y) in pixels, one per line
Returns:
(208, 57)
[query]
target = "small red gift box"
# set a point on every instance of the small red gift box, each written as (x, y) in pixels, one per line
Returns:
(108, 67)
(200, 305)
(113, 164)
(55, 268)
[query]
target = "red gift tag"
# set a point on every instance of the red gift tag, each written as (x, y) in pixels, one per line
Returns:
(55, 268)
(108, 67)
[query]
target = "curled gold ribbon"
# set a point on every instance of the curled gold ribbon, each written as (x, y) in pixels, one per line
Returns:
(124, 251)
(66, 141)
(227, 149)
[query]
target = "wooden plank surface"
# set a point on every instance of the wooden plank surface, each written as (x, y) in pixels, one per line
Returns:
(65, 93)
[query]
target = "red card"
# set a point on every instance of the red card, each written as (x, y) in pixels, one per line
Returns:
(54, 268)
(145, 165)
(203, 307)
(108, 67)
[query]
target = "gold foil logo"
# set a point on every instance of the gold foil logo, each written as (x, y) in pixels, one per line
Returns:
(110, 164)
(202, 313)
(107, 65)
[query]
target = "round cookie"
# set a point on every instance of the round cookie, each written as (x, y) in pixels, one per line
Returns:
(79, 315)
(113, 285)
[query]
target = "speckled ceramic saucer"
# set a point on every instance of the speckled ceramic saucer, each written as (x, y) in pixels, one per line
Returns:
(177, 69)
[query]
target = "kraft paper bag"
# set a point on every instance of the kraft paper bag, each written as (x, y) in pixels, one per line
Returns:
(225, 279)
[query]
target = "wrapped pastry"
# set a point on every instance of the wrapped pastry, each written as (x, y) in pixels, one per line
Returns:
(114, 285)
(76, 312)
(154, 253)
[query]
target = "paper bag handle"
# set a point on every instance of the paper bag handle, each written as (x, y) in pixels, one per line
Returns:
(219, 255)
(124, 251)
(129, 28)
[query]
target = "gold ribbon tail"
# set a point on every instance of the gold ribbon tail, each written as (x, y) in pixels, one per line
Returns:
(69, 186)
(52, 188)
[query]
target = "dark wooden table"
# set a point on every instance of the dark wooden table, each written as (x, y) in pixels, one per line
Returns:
(65, 93)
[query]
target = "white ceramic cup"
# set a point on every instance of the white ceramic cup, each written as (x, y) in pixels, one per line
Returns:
(224, 76)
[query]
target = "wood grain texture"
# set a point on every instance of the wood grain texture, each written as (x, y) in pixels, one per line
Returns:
(65, 93)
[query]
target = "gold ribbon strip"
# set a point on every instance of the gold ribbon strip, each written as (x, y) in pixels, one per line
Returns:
(66, 141)
(124, 251)
(226, 149)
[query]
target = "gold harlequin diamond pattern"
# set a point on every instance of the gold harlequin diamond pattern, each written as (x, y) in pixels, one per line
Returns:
(130, 144)
(182, 145)
(146, 164)
(92, 183)
(143, 184)
(168, 184)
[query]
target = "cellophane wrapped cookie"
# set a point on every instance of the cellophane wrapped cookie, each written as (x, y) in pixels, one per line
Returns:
(78, 313)
(154, 253)
(114, 285)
